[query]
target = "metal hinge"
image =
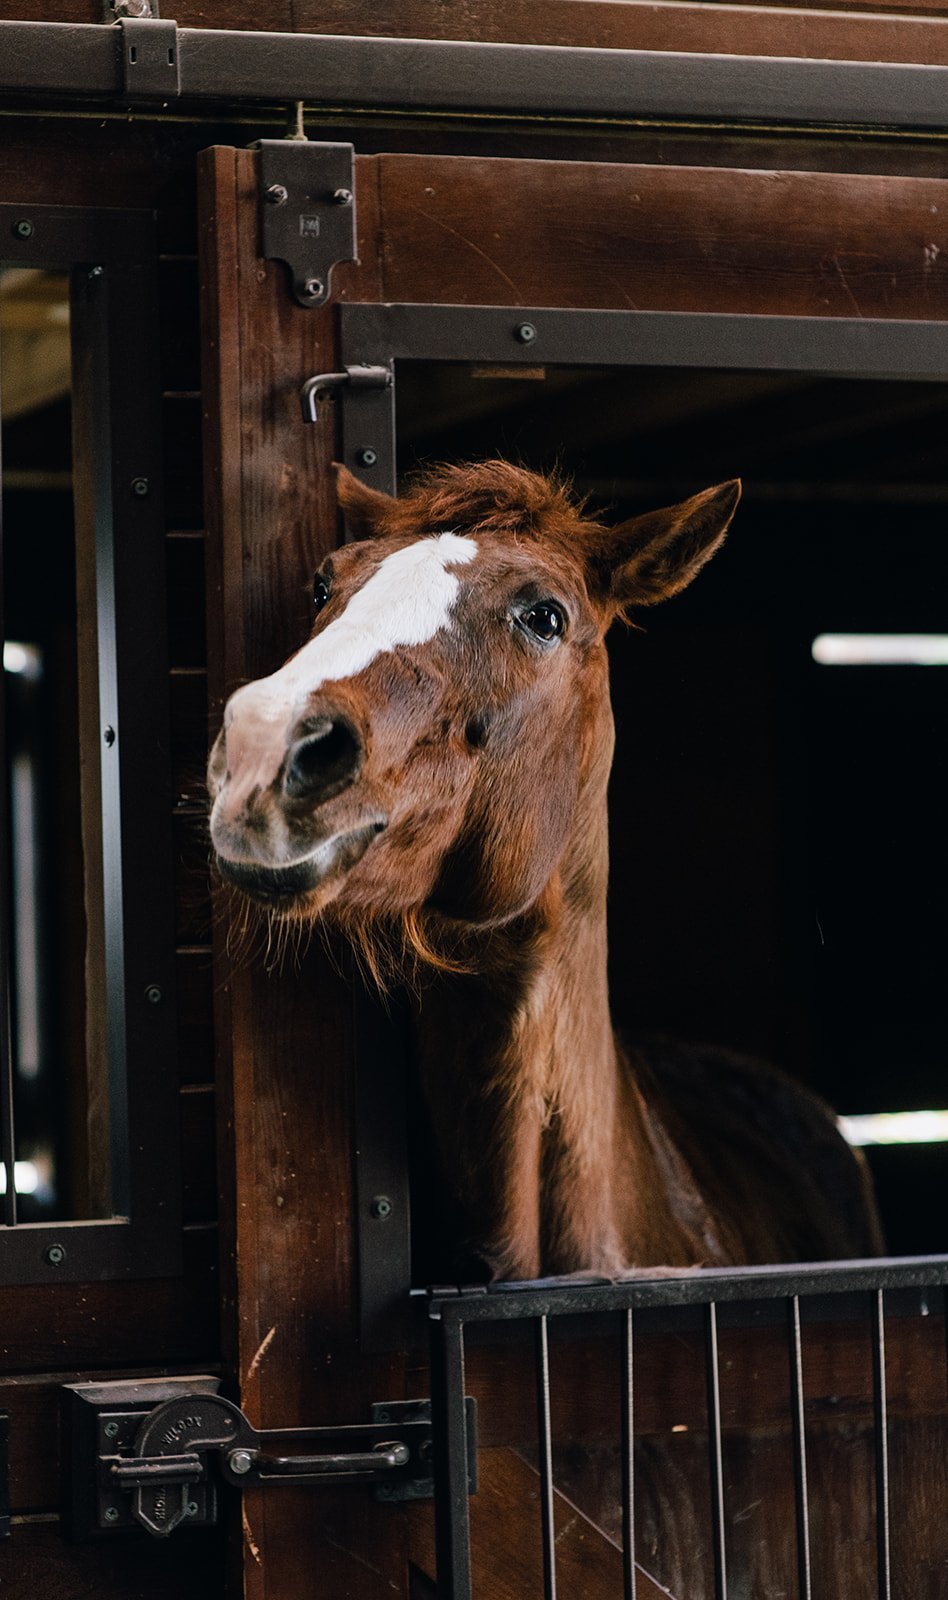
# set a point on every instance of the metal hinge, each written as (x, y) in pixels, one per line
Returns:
(307, 211)
(149, 53)
(159, 1465)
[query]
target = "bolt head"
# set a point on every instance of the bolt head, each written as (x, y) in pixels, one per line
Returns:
(342, 197)
(240, 1461)
(111, 1514)
(277, 194)
(381, 1207)
(367, 457)
(110, 1430)
(313, 288)
(56, 1255)
(23, 229)
(140, 487)
(525, 333)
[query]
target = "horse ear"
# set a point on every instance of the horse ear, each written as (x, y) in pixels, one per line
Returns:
(654, 556)
(365, 510)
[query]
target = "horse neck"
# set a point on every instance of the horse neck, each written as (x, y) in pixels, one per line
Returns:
(541, 1128)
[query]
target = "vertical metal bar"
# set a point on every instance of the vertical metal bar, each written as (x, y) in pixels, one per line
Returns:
(799, 1447)
(628, 1461)
(880, 1418)
(714, 1450)
(449, 1438)
(7, 1134)
(545, 1441)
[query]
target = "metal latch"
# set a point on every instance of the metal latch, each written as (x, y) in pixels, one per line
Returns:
(326, 384)
(160, 1467)
(149, 51)
(307, 211)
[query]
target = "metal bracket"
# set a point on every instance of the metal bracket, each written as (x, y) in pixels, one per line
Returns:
(149, 55)
(160, 1466)
(307, 211)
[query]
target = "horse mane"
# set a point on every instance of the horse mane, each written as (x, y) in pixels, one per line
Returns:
(496, 496)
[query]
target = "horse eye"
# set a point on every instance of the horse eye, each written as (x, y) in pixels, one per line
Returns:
(320, 592)
(545, 620)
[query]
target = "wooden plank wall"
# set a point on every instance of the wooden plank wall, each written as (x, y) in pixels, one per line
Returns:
(905, 30)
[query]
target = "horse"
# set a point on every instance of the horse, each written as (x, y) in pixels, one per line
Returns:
(428, 773)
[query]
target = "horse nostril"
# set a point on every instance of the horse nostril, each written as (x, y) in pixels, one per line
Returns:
(325, 761)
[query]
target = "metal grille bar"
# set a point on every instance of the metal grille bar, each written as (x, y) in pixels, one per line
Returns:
(545, 1440)
(881, 1420)
(7, 1135)
(801, 1488)
(628, 1458)
(715, 1450)
(449, 1438)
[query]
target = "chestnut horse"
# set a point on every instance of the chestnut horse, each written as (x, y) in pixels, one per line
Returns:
(429, 771)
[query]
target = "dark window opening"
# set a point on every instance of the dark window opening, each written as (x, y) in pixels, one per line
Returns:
(790, 901)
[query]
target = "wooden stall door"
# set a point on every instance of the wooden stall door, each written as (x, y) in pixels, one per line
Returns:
(285, 1035)
(285, 1040)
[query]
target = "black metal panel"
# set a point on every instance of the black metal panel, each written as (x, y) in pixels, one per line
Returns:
(116, 401)
(823, 346)
(506, 1302)
(381, 1171)
(74, 60)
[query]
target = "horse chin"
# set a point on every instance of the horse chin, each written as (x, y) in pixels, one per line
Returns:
(303, 887)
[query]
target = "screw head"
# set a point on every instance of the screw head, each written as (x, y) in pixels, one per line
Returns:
(111, 1514)
(23, 229)
(525, 333)
(140, 487)
(240, 1461)
(108, 735)
(313, 288)
(110, 1430)
(367, 457)
(55, 1254)
(153, 994)
(191, 1509)
(381, 1208)
(342, 197)
(277, 194)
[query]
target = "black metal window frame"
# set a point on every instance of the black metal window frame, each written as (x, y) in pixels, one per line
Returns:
(112, 257)
(152, 61)
(374, 339)
(859, 1289)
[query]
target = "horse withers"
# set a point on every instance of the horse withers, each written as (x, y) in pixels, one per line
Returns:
(429, 772)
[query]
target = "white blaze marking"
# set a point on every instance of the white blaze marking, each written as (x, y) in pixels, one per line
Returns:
(406, 601)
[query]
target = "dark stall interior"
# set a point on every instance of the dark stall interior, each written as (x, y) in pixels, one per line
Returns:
(790, 899)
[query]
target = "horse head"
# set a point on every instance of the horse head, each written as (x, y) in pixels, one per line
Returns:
(445, 731)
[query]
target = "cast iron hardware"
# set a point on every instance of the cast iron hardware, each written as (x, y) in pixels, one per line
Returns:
(150, 66)
(159, 1464)
(307, 211)
(78, 60)
(325, 384)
